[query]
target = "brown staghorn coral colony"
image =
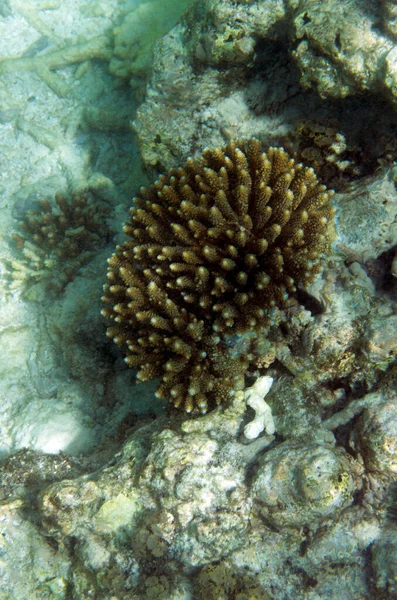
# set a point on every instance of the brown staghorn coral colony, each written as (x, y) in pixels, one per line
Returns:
(56, 241)
(215, 245)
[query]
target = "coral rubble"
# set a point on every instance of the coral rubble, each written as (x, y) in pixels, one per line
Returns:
(215, 246)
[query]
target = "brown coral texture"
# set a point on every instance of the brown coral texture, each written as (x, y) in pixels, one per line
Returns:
(213, 247)
(56, 241)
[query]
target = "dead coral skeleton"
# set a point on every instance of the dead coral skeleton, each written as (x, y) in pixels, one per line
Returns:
(215, 246)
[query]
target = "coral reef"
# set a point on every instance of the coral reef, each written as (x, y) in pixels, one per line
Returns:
(243, 77)
(183, 506)
(337, 154)
(327, 150)
(376, 437)
(30, 471)
(378, 221)
(384, 549)
(216, 245)
(297, 484)
(389, 17)
(220, 581)
(54, 244)
(321, 44)
(193, 507)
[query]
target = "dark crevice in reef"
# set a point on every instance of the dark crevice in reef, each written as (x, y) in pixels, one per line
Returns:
(380, 272)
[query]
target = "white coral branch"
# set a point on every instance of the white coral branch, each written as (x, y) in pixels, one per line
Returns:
(263, 420)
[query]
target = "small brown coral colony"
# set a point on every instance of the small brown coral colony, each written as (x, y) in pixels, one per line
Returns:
(215, 245)
(55, 242)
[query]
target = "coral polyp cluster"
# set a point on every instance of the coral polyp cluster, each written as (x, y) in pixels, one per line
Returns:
(215, 245)
(56, 241)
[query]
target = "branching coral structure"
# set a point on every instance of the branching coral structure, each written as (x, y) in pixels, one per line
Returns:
(215, 245)
(55, 242)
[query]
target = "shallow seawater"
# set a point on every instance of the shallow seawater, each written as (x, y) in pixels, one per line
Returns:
(286, 490)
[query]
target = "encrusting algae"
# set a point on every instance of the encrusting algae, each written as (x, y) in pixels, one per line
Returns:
(215, 246)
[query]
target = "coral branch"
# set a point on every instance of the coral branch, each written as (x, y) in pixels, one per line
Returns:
(214, 247)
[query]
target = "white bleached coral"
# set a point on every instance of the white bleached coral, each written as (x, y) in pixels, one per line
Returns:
(255, 398)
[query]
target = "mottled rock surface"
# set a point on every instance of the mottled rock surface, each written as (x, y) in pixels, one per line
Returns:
(257, 68)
